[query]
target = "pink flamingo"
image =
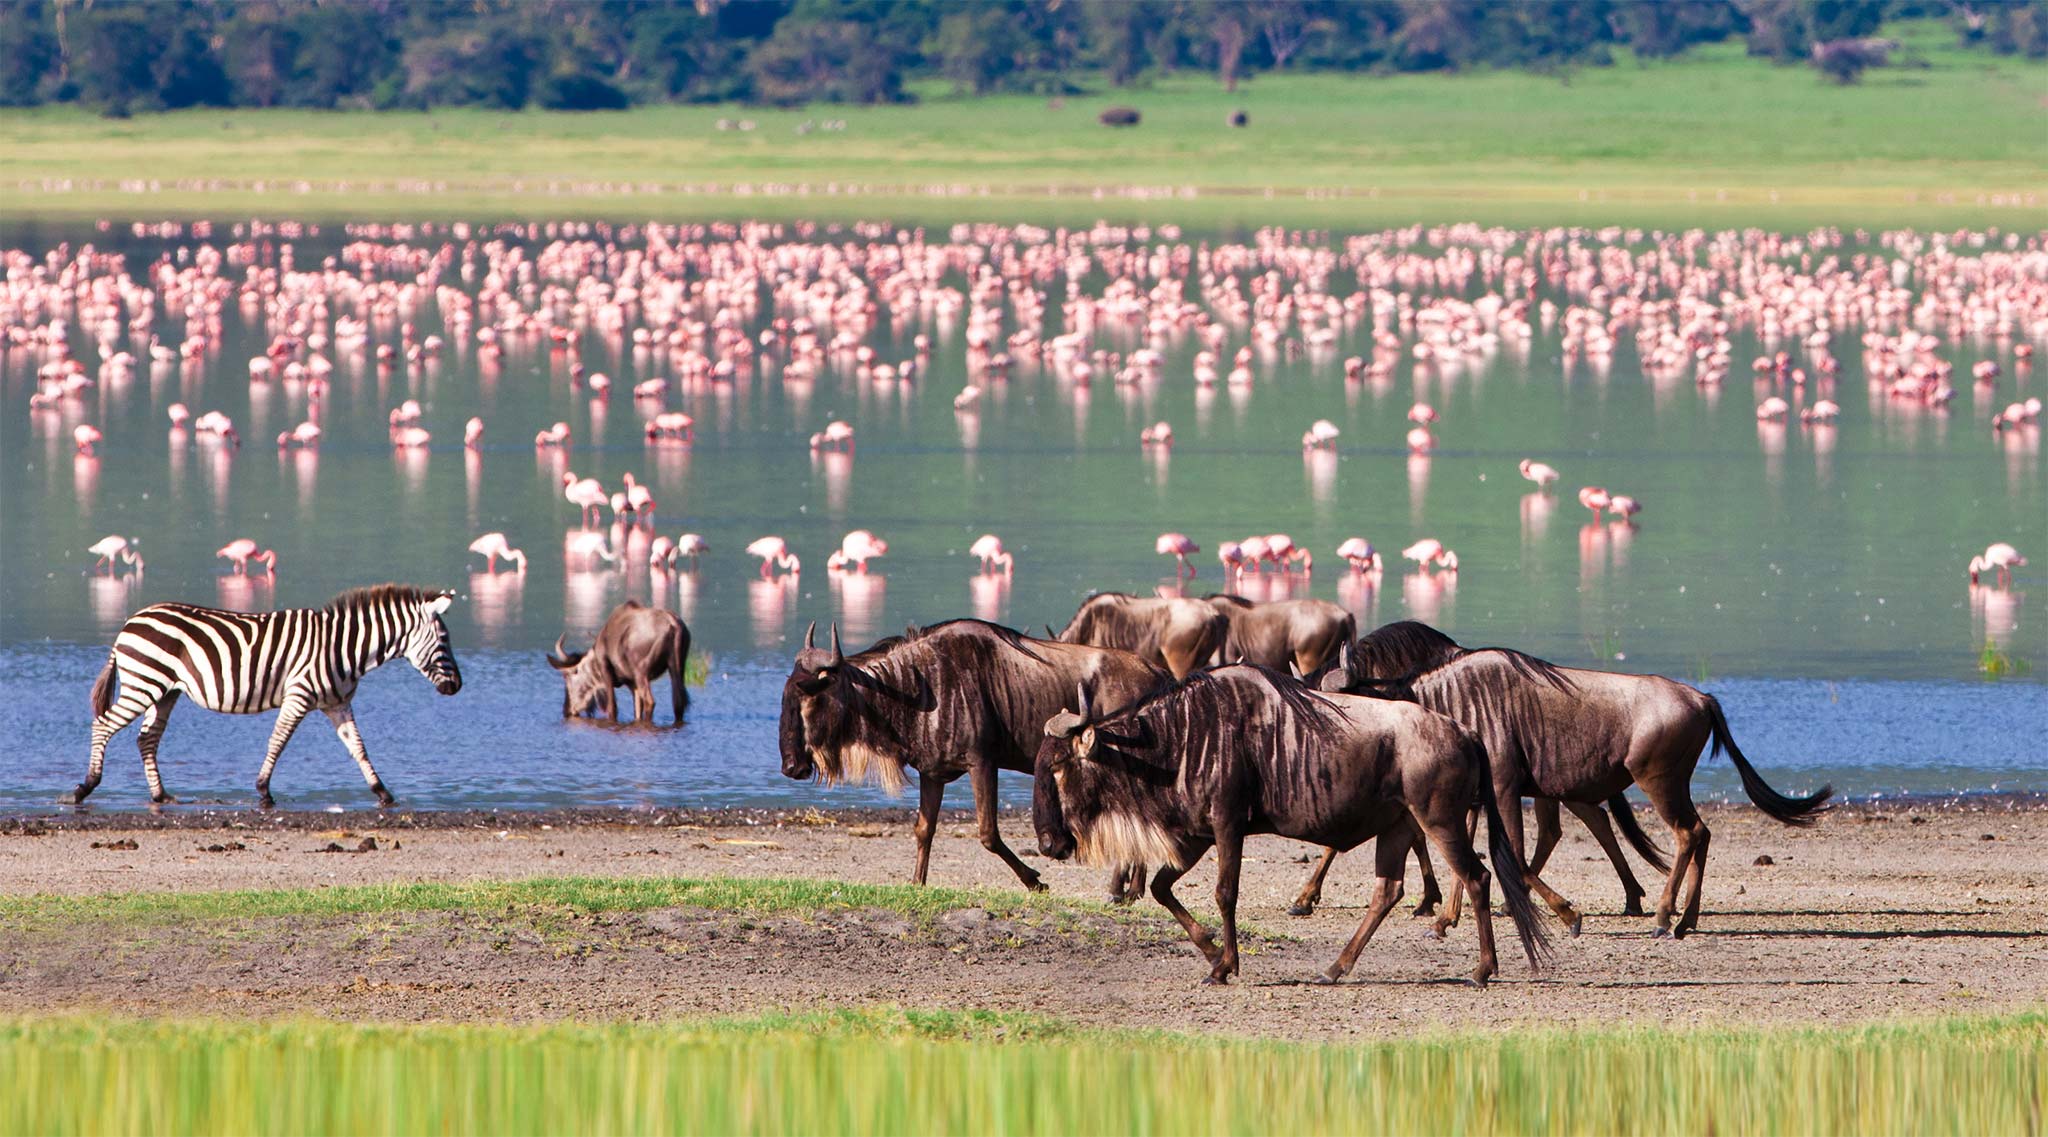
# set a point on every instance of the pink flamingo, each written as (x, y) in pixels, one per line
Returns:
(492, 546)
(692, 546)
(410, 438)
(2000, 556)
(1623, 507)
(1177, 546)
(837, 435)
(242, 550)
(1772, 409)
(1158, 434)
(87, 438)
(968, 397)
(305, 434)
(1231, 553)
(1430, 551)
(556, 435)
(473, 434)
(1822, 411)
(1283, 552)
(1422, 414)
(1595, 499)
(774, 554)
(661, 553)
(639, 500)
(1360, 553)
(585, 493)
(1544, 476)
(1321, 435)
(1421, 441)
(989, 548)
(180, 416)
(589, 547)
(1254, 553)
(855, 550)
(108, 548)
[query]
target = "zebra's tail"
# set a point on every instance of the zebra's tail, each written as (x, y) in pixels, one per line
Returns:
(103, 689)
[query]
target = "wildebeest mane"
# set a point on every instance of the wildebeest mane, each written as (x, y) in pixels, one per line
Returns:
(1236, 696)
(1402, 648)
(1231, 598)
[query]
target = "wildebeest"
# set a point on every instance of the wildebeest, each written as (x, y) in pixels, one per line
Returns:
(1118, 116)
(1177, 634)
(962, 697)
(1241, 750)
(1585, 736)
(636, 646)
(1281, 634)
(1408, 648)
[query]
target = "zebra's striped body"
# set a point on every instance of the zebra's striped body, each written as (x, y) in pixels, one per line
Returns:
(294, 662)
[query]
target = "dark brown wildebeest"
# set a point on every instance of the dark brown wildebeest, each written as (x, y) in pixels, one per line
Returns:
(1407, 648)
(636, 646)
(1177, 634)
(1241, 750)
(1585, 736)
(1119, 116)
(1302, 635)
(962, 697)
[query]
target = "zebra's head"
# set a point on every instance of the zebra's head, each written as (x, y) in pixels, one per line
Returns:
(427, 648)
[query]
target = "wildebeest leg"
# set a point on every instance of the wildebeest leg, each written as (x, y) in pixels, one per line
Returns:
(1471, 878)
(1672, 799)
(1126, 884)
(1162, 891)
(1229, 864)
(1432, 895)
(981, 775)
(154, 720)
(1312, 890)
(1547, 831)
(344, 719)
(643, 702)
(1603, 832)
(1511, 816)
(1390, 860)
(1701, 835)
(608, 701)
(930, 791)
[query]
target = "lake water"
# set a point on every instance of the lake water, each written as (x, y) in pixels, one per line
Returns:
(1813, 578)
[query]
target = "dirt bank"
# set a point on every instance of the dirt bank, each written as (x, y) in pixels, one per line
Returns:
(1875, 912)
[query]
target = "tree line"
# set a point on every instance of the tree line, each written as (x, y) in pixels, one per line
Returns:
(126, 56)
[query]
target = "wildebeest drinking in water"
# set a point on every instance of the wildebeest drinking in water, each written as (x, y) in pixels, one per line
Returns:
(1177, 634)
(636, 646)
(1241, 750)
(962, 697)
(1408, 648)
(1585, 736)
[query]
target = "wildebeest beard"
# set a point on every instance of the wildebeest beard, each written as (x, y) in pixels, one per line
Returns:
(1118, 824)
(858, 725)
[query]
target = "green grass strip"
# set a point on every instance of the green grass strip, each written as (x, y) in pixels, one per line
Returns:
(912, 1073)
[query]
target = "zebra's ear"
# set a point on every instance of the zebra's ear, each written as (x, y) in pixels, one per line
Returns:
(440, 603)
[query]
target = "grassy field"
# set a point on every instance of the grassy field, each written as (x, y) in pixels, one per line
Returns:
(901, 1072)
(1712, 139)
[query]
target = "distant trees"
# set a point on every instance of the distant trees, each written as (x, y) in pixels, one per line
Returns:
(124, 56)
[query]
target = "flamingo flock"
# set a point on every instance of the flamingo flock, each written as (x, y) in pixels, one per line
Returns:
(705, 314)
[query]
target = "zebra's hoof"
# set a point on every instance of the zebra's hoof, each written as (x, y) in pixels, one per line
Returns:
(78, 795)
(163, 799)
(386, 801)
(265, 801)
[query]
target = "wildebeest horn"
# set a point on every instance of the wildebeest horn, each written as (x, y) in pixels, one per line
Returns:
(1050, 634)
(1081, 701)
(1344, 657)
(1063, 725)
(811, 636)
(556, 655)
(838, 657)
(1294, 669)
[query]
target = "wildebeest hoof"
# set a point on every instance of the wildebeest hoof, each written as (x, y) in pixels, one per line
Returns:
(1216, 981)
(1423, 911)
(1578, 925)
(1633, 907)
(1324, 979)
(1037, 886)
(1301, 910)
(1660, 933)
(1478, 981)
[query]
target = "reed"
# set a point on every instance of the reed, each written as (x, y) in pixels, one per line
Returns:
(911, 1072)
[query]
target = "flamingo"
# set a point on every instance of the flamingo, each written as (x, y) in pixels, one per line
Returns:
(1430, 551)
(410, 438)
(774, 554)
(1999, 556)
(108, 548)
(473, 434)
(1322, 435)
(639, 500)
(1231, 553)
(556, 435)
(1772, 409)
(492, 546)
(180, 416)
(1544, 476)
(1624, 507)
(661, 553)
(87, 438)
(692, 546)
(242, 550)
(967, 398)
(1595, 499)
(1158, 434)
(837, 435)
(585, 493)
(1360, 553)
(1253, 551)
(855, 550)
(1283, 552)
(305, 434)
(1822, 411)
(589, 545)
(1177, 546)
(989, 548)
(1422, 414)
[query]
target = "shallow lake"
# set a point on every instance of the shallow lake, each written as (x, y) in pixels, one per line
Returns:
(1812, 577)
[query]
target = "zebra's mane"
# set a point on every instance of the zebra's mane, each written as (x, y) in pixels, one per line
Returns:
(357, 599)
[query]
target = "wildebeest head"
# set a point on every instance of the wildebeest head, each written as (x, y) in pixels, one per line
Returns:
(826, 728)
(585, 681)
(1093, 790)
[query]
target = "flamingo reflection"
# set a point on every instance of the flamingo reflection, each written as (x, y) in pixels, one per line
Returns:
(1426, 594)
(495, 603)
(769, 605)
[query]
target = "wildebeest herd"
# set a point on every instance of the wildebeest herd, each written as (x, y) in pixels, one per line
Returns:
(1154, 729)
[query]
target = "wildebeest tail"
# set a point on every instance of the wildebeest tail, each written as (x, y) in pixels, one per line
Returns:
(1507, 870)
(1625, 820)
(103, 689)
(1790, 810)
(678, 659)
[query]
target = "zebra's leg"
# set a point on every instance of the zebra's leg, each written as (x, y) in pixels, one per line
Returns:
(344, 719)
(288, 716)
(153, 723)
(124, 711)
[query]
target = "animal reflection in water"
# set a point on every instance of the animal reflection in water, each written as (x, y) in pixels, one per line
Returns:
(636, 646)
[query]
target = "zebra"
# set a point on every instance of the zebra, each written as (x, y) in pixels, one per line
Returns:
(294, 661)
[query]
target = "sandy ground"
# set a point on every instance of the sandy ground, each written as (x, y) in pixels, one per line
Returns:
(1876, 912)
